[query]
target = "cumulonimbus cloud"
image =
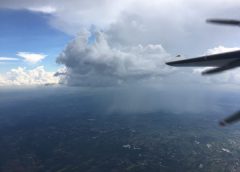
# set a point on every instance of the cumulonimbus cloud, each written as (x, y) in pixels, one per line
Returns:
(99, 64)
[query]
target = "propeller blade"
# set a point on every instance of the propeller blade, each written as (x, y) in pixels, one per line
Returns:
(231, 119)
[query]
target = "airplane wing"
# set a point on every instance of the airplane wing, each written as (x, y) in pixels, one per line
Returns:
(224, 22)
(221, 62)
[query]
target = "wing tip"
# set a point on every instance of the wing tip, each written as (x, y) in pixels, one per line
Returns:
(168, 63)
(223, 21)
(175, 63)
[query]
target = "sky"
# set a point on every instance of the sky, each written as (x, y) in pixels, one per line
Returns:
(103, 43)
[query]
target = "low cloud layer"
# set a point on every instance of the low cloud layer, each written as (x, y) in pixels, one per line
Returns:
(99, 64)
(22, 77)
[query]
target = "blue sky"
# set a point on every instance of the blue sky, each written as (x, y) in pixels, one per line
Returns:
(26, 31)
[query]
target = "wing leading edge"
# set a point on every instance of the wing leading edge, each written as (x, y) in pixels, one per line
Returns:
(221, 62)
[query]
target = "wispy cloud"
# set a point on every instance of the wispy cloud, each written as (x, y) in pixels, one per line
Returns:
(8, 59)
(43, 9)
(31, 57)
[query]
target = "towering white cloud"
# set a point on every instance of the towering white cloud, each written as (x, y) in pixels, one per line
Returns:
(99, 64)
(22, 77)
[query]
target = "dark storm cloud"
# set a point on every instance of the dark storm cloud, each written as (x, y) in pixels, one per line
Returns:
(99, 64)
